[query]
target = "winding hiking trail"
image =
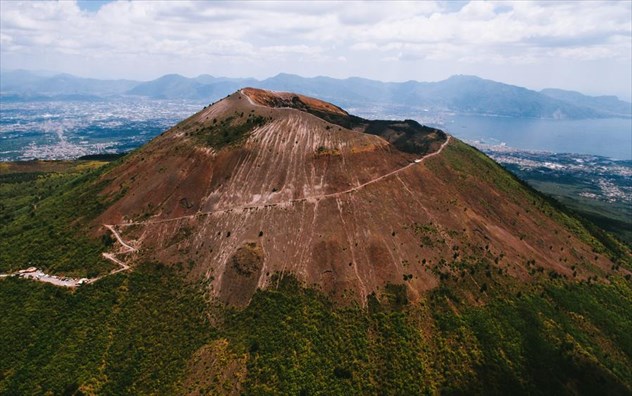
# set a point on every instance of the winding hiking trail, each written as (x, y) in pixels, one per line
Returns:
(63, 281)
(128, 248)
(112, 256)
(312, 198)
(131, 249)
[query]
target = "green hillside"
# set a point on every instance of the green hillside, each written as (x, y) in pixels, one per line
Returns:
(149, 333)
(45, 208)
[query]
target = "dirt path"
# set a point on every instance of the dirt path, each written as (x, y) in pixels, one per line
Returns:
(396, 171)
(309, 199)
(118, 238)
(112, 256)
(63, 281)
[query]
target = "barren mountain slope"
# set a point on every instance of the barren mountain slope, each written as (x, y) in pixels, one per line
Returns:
(263, 182)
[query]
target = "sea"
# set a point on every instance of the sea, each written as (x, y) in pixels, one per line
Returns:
(606, 137)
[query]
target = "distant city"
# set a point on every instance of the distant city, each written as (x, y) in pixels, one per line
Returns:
(595, 177)
(67, 130)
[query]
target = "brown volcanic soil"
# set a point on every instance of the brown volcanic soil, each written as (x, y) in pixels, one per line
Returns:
(272, 191)
(291, 100)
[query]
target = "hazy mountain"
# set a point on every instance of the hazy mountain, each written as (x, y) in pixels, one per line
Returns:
(169, 86)
(461, 94)
(458, 94)
(605, 104)
(18, 79)
(203, 87)
(474, 95)
(24, 83)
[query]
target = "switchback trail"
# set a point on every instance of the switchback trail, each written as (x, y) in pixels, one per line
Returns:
(118, 238)
(112, 256)
(63, 281)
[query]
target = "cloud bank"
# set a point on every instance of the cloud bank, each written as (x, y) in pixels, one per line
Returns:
(586, 45)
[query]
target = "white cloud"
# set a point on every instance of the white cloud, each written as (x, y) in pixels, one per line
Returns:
(141, 39)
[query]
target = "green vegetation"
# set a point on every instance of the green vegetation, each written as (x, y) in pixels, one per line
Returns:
(550, 336)
(612, 217)
(230, 131)
(558, 339)
(467, 161)
(134, 334)
(44, 217)
(102, 157)
(408, 136)
(126, 334)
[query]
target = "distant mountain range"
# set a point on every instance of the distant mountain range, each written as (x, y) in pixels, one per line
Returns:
(457, 94)
(607, 104)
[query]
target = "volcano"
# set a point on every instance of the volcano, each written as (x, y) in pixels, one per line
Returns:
(265, 183)
(273, 243)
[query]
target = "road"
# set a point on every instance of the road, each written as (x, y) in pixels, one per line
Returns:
(63, 281)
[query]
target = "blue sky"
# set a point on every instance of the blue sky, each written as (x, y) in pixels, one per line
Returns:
(581, 45)
(92, 5)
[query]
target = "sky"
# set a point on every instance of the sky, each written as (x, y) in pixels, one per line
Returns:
(580, 45)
